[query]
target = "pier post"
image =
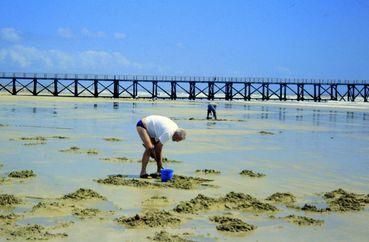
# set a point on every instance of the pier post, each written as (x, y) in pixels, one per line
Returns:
(96, 91)
(154, 89)
(285, 92)
(55, 93)
(210, 90)
(353, 86)
(34, 92)
(280, 92)
(173, 90)
(76, 88)
(228, 91)
(135, 85)
(317, 94)
(247, 91)
(192, 90)
(14, 91)
(348, 92)
(263, 97)
(366, 92)
(334, 92)
(116, 89)
(300, 92)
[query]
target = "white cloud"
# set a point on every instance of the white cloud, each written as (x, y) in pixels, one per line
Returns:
(65, 33)
(92, 34)
(10, 34)
(24, 58)
(119, 35)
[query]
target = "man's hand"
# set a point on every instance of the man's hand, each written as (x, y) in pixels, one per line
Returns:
(153, 153)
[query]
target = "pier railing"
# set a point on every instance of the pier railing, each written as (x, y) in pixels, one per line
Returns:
(183, 87)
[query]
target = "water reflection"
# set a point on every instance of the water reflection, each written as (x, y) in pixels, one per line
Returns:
(264, 112)
(282, 114)
(332, 116)
(350, 117)
(115, 105)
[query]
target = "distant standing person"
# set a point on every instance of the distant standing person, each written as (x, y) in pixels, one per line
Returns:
(212, 109)
(155, 131)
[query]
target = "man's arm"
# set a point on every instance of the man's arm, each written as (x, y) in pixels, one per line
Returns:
(159, 155)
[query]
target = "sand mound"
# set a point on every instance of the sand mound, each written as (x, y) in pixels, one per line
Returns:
(251, 173)
(313, 208)
(156, 200)
(164, 236)
(232, 200)
(22, 174)
(208, 171)
(82, 194)
(118, 159)
(341, 200)
(86, 213)
(37, 140)
(51, 205)
(9, 217)
(303, 221)
(179, 182)
(77, 150)
(123, 181)
(282, 197)
(234, 225)
(29, 232)
(263, 132)
(112, 139)
(199, 203)
(9, 200)
(186, 182)
(154, 218)
(246, 202)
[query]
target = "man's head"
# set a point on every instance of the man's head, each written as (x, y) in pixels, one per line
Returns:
(179, 135)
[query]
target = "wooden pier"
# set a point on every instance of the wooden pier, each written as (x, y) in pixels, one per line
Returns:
(183, 87)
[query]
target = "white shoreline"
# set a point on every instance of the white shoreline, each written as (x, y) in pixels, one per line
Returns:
(354, 106)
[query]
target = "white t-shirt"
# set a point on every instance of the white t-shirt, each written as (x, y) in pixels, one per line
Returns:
(159, 127)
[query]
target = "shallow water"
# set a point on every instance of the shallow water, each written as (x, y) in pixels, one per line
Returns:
(315, 148)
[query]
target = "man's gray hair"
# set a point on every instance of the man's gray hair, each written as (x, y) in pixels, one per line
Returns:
(181, 133)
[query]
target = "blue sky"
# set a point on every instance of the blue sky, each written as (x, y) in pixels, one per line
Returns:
(309, 39)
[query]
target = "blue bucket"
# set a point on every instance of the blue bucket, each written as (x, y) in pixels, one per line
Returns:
(166, 174)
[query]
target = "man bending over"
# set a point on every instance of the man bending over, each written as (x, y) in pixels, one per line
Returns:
(155, 131)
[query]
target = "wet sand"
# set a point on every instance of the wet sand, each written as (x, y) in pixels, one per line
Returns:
(306, 152)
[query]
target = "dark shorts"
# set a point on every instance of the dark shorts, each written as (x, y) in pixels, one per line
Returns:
(211, 108)
(140, 124)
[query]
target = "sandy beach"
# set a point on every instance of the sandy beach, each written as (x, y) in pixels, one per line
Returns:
(267, 171)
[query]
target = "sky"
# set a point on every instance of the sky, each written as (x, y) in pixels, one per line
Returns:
(245, 38)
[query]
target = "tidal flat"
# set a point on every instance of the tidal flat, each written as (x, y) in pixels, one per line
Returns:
(311, 157)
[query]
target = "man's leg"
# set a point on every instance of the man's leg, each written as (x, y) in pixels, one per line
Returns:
(215, 114)
(149, 146)
(159, 162)
(207, 116)
(145, 137)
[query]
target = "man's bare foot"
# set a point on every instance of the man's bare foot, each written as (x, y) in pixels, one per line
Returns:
(144, 176)
(155, 175)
